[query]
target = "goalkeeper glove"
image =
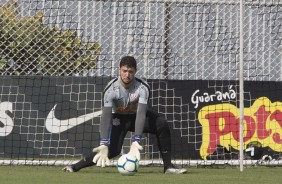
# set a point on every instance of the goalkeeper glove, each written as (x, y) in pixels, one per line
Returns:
(101, 158)
(136, 147)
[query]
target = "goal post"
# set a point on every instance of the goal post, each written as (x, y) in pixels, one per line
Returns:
(241, 84)
(214, 68)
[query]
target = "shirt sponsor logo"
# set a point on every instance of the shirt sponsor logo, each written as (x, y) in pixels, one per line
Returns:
(132, 97)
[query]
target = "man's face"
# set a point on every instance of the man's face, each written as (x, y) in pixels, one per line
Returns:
(127, 74)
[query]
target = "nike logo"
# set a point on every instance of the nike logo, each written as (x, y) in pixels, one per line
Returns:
(55, 125)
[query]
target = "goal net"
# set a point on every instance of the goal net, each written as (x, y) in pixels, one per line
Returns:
(56, 56)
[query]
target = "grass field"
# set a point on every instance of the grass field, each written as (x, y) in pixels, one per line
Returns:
(154, 175)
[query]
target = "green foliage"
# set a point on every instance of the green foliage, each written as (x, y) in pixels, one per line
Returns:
(35, 48)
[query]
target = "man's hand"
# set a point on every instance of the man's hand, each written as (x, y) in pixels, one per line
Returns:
(135, 149)
(101, 158)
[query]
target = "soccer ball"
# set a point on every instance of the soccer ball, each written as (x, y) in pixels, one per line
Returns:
(128, 165)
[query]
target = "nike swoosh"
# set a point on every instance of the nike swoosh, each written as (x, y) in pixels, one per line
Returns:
(55, 125)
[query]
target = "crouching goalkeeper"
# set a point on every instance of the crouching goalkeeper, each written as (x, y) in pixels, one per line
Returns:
(125, 109)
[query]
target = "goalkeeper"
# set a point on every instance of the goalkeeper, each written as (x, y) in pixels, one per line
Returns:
(125, 109)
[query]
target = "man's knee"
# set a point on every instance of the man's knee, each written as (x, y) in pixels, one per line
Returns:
(162, 127)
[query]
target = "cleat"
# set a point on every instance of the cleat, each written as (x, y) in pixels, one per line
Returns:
(174, 170)
(68, 169)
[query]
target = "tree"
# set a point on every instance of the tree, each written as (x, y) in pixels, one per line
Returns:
(28, 47)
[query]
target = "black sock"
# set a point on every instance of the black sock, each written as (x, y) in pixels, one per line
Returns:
(85, 162)
(166, 155)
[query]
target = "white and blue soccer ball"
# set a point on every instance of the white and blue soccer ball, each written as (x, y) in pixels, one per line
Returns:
(128, 165)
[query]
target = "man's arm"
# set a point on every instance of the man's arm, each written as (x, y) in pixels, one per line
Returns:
(140, 118)
(142, 108)
(105, 124)
(106, 118)
(139, 127)
(101, 158)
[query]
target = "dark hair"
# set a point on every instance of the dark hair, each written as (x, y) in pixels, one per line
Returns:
(128, 61)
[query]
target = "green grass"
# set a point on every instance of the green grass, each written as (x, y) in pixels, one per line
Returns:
(154, 175)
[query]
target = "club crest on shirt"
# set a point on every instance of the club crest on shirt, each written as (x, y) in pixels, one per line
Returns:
(116, 122)
(132, 97)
